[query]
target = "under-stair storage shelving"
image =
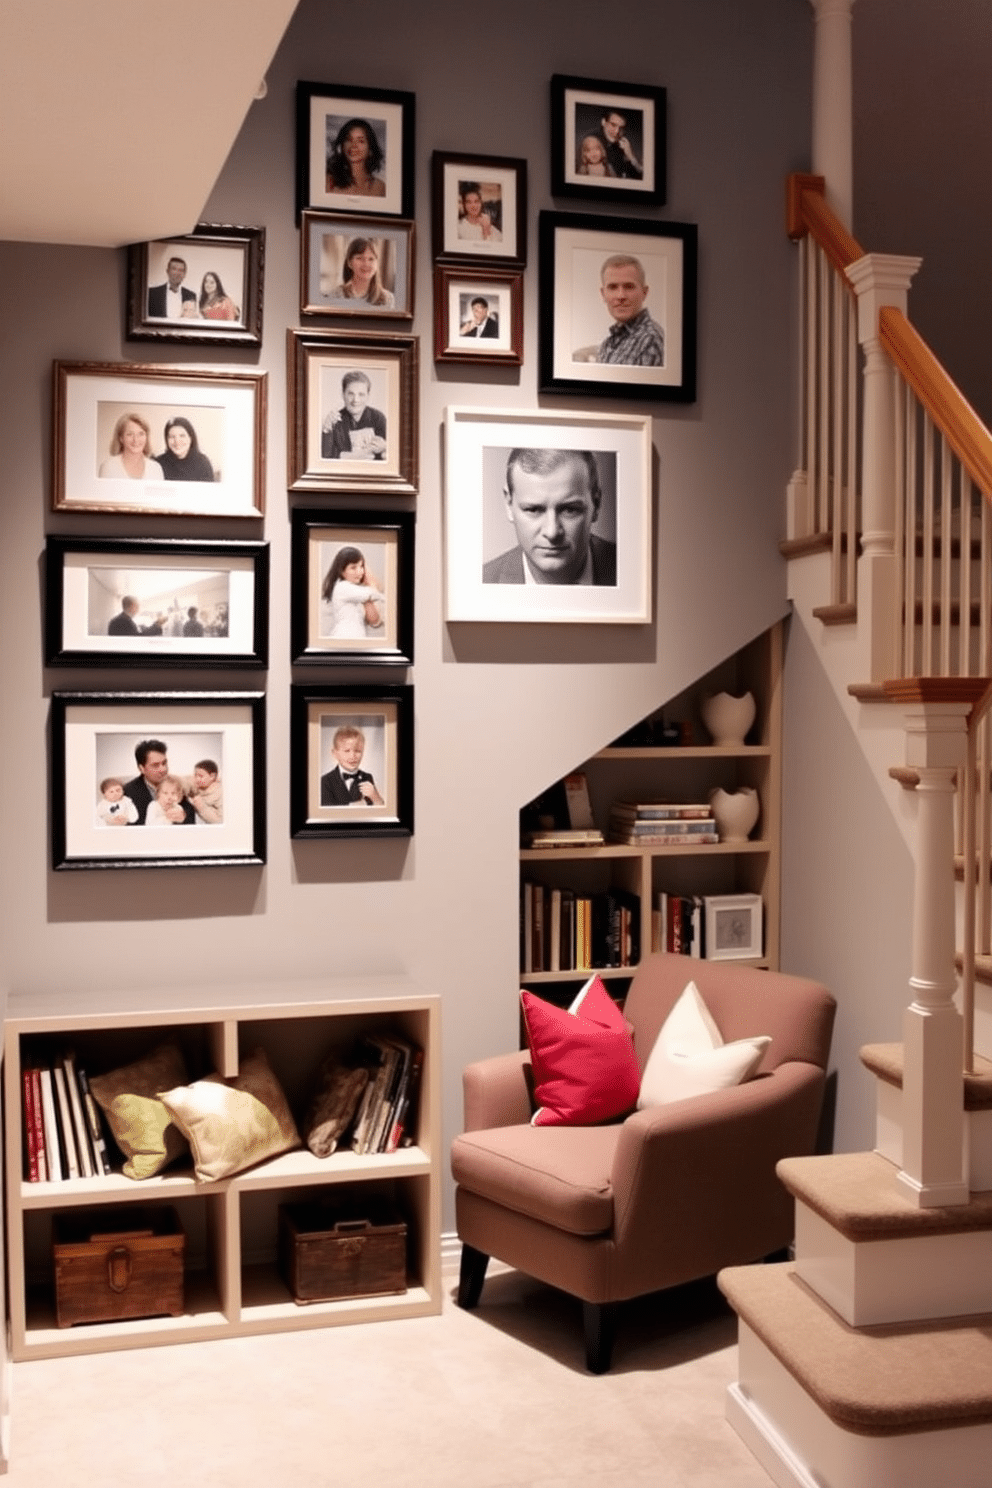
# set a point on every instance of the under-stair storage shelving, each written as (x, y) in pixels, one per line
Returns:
(682, 772)
(233, 1284)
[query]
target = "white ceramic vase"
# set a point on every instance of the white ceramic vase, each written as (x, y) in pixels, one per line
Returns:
(728, 718)
(735, 812)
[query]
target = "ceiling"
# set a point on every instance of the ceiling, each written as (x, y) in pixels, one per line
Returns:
(116, 117)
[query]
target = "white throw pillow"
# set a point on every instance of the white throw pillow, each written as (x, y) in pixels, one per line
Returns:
(690, 1058)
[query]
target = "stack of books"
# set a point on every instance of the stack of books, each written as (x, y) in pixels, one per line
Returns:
(387, 1116)
(561, 930)
(564, 837)
(678, 924)
(661, 824)
(63, 1134)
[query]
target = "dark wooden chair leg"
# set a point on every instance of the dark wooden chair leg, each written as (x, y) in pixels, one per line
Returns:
(471, 1276)
(599, 1321)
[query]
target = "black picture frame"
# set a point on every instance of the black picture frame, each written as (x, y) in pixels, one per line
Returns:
(324, 108)
(88, 622)
(588, 108)
(319, 361)
(325, 239)
(501, 227)
(209, 248)
(575, 249)
(497, 336)
(386, 542)
(93, 740)
(384, 716)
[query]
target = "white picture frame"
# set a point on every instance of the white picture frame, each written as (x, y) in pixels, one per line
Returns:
(733, 927)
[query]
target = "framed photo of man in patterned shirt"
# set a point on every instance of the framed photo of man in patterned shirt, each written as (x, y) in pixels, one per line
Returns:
(618, 307)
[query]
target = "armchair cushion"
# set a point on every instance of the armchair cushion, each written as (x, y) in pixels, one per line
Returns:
(559, 1175)
(585, 1068)
(689, 1056)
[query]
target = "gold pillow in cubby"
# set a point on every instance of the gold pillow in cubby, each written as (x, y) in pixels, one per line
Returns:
(232, 1124)
(139, 1122)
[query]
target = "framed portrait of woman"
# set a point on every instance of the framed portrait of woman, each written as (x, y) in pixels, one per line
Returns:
(356, 266)
(352, 588)
(204, 288)
(479, 207)
(354, 150)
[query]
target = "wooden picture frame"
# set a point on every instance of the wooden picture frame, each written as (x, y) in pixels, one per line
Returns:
(500, 465)
(375, 448)
(333, 246)
(101, 406)
(478, 315)
(377, 725)
(732, 927)
(146, 602)
(231, 316)
(96, 741)
(325, 117)
(479, 207)
(608, 140)
(618, 307)
(341, 629)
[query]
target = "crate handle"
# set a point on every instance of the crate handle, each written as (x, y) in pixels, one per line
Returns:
(354, 1226)
(119, 1269)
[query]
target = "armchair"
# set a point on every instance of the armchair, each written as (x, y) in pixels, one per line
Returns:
(668, 1195)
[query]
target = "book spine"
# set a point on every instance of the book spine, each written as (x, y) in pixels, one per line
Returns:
(554, 936)
(79, 1126)
(39, 1126)
(65, 1123)
(30, 1139)
(412, 1112)
(100, 1155)
(52, 1155)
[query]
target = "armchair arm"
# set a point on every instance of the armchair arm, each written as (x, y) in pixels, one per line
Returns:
(694, 1182)
(496, 1091)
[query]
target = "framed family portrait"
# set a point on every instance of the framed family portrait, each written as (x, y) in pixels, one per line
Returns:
(144, 602)
(352, 588)
(202, 288)
(480, 206)
(607, 140)
(174, 441)
(354, 150)
(352, 411)
(547, 516)
(618, 307)
(129, 769)
(478, 315)
(351, 761)
(356, 266)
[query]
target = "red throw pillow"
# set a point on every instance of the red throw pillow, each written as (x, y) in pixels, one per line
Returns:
(585, 1068)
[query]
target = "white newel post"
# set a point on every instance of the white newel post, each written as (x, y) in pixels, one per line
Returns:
(933, 1170)
(879, 279)
(833, 156)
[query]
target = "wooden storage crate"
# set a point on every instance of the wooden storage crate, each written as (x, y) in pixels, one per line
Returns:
(114, 1266)
(327, 1253)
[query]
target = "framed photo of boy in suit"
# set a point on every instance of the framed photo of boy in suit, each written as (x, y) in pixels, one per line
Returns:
(351, 761)
(478, 317)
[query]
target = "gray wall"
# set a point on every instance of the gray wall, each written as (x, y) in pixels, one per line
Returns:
(500, 711)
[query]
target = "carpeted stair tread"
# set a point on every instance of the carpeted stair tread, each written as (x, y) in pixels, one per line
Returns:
(878, 1381)
(859, 1194)
(885, 1061)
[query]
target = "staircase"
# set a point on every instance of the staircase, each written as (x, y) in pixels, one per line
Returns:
(867, 1361)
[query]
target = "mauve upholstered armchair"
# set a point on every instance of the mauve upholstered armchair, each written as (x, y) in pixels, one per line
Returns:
(668, 1195)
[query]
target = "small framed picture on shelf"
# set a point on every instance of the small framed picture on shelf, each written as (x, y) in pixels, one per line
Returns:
(144, 602)
(478, 317)
(479, 206)
(352, 412)
(356, 266)
(354, 150)
(618, 307)
(168, 441)
(128, 769)
(351, 761)
(732, 927)
(352, 588)
(547, 516)
(607, 140)
(203, 288)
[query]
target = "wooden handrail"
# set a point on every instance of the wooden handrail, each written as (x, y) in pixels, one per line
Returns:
(806, 211)
(947, 407)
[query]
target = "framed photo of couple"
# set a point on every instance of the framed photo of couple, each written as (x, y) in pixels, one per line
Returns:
(352, 412)
(354, 150)
(478, 315)
(607, 140)
(618, 307)
(547, 516)
(352, 761)
(352, 588)
(203, 288)
(156, 602)
(356, 266)
(128, 769)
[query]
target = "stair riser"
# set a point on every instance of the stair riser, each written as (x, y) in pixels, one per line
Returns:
(799, 1446)
(910, 1279)
(977, 1136)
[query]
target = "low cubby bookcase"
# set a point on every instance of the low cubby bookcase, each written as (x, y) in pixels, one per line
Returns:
(232, 1283)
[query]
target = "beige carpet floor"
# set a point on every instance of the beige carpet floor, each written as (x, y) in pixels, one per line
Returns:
(498, 1398)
